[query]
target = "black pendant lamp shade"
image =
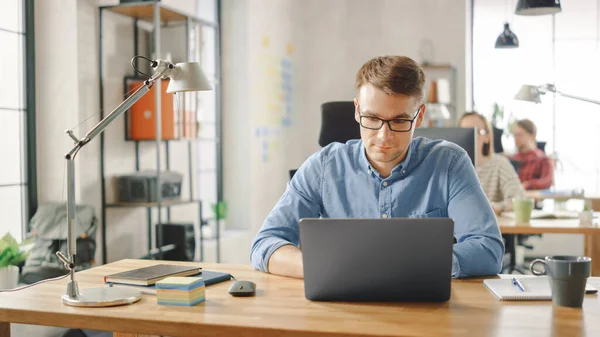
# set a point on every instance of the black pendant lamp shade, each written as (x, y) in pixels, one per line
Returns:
(537, 7)
(507, 39)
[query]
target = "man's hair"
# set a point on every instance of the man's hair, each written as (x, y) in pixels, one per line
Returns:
(487, 148)
(528, 126)
(394, 75)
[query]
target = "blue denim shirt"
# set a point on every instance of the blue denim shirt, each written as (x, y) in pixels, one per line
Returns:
(436, 179)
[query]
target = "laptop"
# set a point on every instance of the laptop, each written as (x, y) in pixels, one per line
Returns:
(377, 260)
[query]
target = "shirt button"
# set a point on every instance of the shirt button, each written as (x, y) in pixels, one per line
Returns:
(385, 183)
(403, 172)
(385, 216)
(369, 171)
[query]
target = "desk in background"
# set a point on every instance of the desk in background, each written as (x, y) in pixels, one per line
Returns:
(280, 309)
(541, 195)
(558, 226)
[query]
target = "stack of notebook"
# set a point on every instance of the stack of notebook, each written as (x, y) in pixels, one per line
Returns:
(185, 291)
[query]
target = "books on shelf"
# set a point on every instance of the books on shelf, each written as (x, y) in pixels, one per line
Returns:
(150, 275)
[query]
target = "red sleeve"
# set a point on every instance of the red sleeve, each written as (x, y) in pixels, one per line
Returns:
(546, 176)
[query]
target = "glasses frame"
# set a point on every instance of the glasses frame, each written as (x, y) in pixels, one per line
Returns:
(388, 121)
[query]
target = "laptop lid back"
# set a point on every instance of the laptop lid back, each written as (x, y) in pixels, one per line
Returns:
(399, 260)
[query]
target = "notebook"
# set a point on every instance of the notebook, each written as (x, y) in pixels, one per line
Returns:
(149, 275)
(209, 278)
(536, 289)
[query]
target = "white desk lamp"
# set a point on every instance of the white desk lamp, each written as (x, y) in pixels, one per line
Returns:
(183, 77)
(532, 93)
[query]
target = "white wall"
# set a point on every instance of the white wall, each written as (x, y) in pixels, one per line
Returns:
(57, 92)
(331, 40)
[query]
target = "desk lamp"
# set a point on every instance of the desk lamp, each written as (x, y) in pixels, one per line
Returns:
(532, 93)
(187, 76)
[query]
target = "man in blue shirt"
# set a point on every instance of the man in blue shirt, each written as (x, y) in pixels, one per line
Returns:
(385, 174)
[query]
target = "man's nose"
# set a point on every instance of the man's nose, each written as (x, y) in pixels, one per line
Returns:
(385, 132)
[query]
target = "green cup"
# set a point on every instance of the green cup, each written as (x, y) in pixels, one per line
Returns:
(522, 208)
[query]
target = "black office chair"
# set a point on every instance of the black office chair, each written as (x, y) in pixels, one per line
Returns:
(541, 146)
(498, 148)
(337, 124)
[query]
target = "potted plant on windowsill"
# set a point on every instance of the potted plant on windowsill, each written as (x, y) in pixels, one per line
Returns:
(11, 255)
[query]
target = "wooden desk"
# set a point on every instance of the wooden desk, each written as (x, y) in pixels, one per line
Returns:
(559, 226)
(280, 309)
(539, 195)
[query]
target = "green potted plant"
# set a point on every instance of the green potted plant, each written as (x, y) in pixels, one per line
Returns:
(11, 255)
(220, 215)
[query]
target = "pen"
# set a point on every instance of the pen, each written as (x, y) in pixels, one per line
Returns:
(518, 283)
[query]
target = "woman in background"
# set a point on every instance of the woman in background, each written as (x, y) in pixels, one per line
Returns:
(498, 178)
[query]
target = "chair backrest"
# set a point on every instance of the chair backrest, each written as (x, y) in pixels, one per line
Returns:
(541, 146)
(338, 123)
(498, 148)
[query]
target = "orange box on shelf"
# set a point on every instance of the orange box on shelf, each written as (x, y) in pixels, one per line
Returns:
(191, 123)
(141, 121)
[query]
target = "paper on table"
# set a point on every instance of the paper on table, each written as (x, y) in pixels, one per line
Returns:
(536, 289)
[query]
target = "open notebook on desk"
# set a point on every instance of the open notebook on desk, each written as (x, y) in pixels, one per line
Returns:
(536, 289)
(539, 214)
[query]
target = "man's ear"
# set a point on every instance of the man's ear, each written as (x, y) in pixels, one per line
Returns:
(421, 116)
(356, 115)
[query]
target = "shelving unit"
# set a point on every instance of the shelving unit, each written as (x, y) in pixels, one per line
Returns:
(160, 17)
(448, 73)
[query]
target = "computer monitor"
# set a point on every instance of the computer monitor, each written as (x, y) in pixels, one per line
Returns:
(463, 137)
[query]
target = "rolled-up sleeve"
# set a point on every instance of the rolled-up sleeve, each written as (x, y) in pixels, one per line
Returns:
(301, 199)
(479, 248)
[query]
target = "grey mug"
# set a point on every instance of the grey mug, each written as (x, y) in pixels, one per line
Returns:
(567, 276)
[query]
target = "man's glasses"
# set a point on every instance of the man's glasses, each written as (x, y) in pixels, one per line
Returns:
(396, 124)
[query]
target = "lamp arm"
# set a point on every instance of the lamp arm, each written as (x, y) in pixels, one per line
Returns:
(578, 98)
(69, 260)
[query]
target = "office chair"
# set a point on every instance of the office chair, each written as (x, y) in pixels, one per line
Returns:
(337, 124)
(541, 146)
(498, 140)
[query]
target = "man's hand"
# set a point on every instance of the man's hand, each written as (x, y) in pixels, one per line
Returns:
(287, 261)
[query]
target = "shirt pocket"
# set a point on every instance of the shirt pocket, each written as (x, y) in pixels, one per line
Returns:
(436, 213)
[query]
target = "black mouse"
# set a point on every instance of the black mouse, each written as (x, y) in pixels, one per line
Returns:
(242, 288)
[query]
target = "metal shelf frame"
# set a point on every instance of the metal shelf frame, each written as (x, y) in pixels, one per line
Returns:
(158, 14)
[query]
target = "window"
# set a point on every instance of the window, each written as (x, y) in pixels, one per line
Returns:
(14, 115)
(568, 58)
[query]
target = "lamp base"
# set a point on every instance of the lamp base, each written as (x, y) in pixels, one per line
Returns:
(103, 297)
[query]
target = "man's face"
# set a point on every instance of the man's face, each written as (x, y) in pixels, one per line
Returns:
(385, 147)
(523, 140)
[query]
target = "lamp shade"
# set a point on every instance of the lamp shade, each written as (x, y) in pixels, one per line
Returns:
(507, 39)
(529, 93)
(538, 7)
(188, 76)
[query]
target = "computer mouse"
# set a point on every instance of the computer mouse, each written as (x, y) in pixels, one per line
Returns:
(242, 288)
